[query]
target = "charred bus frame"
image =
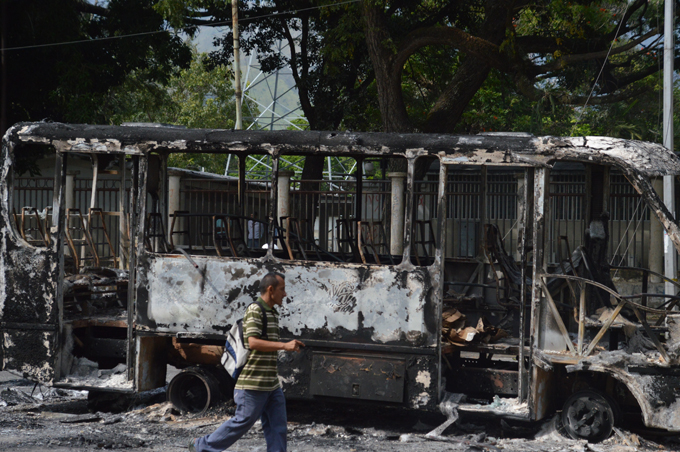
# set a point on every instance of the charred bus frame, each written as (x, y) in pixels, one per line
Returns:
(391, 321)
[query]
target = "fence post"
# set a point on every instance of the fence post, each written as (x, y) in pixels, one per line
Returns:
(284, 194)
(69, 191)
(397, 212)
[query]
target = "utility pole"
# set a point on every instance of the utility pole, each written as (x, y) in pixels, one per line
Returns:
(3, 67)
(670, 260)
(237, 65)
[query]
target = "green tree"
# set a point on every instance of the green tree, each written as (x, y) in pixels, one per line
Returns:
(326, 53)
(549, 51)
(199, 96)
(64, 56)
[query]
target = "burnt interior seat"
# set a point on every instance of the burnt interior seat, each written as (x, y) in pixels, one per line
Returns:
(294, 245)
(31, 227)
(297, 245)
(512, 272)
(346, 238)
(372, 243)
(154, 234)
(366, 243)
(228, 236)
(78, 239)
(423, 238)
(174, 229)
(101, 238)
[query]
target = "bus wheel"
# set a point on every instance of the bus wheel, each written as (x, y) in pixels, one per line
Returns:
(196, 389)
(588, 415)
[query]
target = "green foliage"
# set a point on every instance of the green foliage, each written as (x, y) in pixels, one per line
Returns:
(330, 64)
(71, 82)
(200, 96)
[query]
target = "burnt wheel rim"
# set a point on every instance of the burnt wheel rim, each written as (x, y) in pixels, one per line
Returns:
(588, 415)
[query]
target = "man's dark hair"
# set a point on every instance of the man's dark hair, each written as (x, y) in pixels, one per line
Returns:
(270, 279)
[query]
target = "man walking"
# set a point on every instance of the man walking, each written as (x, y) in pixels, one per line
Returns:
(257, 393)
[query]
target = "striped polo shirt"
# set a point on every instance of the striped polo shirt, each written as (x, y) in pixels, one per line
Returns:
(260, 372)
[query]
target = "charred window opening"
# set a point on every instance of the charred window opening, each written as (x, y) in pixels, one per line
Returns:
(96, 212)
(424, 199)
(32, 184)
(217, 214)
(97, 225)
(340, 212)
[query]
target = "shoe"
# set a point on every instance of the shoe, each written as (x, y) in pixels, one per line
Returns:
(192, 445)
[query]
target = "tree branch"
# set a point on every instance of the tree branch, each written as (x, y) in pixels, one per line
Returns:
(575, 58)
(530, 91)
(452, 37)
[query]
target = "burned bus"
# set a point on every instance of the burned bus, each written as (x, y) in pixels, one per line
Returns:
(490, 266)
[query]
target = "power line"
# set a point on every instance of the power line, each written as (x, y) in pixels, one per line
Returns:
(604, 63)
(215, 24)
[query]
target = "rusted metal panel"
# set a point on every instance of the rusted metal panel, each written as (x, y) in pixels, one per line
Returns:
(422, 385)
(542, 400)
(358, 377)
(151, 363)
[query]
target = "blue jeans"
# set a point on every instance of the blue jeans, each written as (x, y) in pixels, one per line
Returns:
(269, 406)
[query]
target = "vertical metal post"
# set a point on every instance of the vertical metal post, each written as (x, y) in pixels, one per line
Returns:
(283, 209)
(359, 191)
(174, 204)
(526, 218)
(483, 192)
(242, 187)
(237, 65)
(397, 210)
(124, 238)
(276, 94)
(668, 181)
(3, 67)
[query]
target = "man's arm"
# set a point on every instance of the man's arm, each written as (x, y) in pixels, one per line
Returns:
(261, 345)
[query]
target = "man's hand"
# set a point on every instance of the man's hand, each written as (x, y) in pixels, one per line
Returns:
(293, 346)
(264, 345)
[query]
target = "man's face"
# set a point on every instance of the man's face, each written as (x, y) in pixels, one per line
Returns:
(278, 293)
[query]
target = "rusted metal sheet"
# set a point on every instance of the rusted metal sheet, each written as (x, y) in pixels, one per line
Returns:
(542, 400)
(358, 377)
(151, 364)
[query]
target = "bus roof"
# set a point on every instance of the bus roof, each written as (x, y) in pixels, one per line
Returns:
(636, 157)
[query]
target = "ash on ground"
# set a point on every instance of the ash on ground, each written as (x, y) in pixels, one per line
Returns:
(35, 418)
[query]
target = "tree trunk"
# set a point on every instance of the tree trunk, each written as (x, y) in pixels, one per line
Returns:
(387, 75)
(450, 106)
